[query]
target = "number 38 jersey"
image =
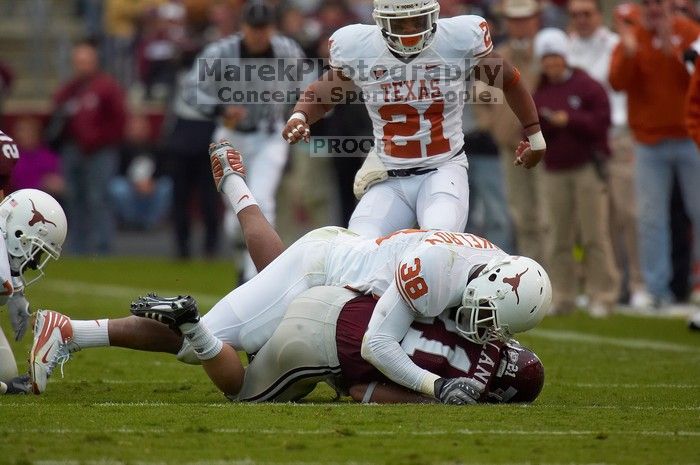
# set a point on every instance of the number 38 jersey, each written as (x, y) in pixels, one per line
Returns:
(429, 268)
(415, 105)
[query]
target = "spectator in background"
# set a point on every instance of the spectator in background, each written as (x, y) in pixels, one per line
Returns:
(488, 207)
(6, 80)
(121, 20)
(647, 64)
(592, 45)
(159, 49)
(524, 188)
(142, 195)
(38, 166)
(254, 127)
(575, 117)
(92, 108)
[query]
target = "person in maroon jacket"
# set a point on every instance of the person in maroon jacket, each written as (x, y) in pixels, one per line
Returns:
(88, 124)
(575, 116)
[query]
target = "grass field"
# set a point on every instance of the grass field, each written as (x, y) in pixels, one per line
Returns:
(625, 390)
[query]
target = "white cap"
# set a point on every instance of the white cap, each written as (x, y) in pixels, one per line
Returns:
(552, 41)
(520, 8)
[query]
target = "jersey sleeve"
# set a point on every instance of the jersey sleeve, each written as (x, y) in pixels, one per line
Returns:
(478, 30)
(423, 279)
(339, 57)
(6, 288)
(381, 345)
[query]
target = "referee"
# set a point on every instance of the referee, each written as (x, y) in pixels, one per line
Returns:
(252, 127)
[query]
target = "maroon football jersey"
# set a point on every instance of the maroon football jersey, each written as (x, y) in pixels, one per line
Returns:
(8, 158)
(430, 346)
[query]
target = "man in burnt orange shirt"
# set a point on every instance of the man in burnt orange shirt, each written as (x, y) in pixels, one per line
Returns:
(648, 65)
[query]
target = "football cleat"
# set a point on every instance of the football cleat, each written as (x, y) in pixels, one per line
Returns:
(172, 311)
(18, 385)
(53, 334)
(225, 160)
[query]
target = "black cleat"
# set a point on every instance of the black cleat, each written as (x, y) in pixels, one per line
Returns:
(172, 311)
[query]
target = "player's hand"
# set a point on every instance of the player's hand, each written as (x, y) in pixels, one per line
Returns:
(527, 157)
(18, 308)
(457, 391)
(296, 130)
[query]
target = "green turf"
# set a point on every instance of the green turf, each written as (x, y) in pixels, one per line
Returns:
(627, 392)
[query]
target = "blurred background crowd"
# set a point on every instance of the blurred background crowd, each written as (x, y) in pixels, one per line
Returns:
(88, 89)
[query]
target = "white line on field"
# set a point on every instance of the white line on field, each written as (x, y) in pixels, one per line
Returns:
(688, 408)
(107, 461)
(628, 385)
(179, 382)
(195, 462)
(628, 343)
(350, 432)
(126, 293)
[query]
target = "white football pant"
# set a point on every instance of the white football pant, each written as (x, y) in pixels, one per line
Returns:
(248, 316)
(8, 366)
(302, 352)
(436, 200)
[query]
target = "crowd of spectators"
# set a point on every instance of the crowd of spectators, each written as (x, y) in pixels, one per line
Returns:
(598, 212)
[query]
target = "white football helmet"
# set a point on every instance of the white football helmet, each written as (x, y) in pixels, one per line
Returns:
(35, 229)
(408, 26)
(510, 295)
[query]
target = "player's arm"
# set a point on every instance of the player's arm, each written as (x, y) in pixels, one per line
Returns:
(381, 393)
(520, 102)
(381, 347)
(318, 99)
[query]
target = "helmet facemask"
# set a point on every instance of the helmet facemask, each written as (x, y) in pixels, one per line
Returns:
(477, 318)
(36, 254)
(410, 31)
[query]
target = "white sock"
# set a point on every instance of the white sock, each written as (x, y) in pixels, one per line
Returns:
(206, 346)
(90, 333)
(238, 193)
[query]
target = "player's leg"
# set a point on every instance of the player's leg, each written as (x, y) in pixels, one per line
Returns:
(8, 365)
(248, 315)
(443, 199)
(385, 208)
(301, 352)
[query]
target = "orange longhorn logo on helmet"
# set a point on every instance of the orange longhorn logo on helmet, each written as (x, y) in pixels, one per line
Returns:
(38, 217)
(515, 283)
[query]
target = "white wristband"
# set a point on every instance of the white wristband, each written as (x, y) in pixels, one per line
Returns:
(537, 141)
(298, 115)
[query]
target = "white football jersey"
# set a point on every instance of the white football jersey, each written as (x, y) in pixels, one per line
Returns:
(6, 288)
(429, 268)
(415, 105)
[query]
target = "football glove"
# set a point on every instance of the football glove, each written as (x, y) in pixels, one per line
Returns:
(457, 391)
(18, 308)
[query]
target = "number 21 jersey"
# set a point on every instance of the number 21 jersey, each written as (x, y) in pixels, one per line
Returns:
(415, 104)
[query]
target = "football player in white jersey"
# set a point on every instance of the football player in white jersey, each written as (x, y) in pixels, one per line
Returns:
(413, 70)
(33, 227)
(415, 274)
